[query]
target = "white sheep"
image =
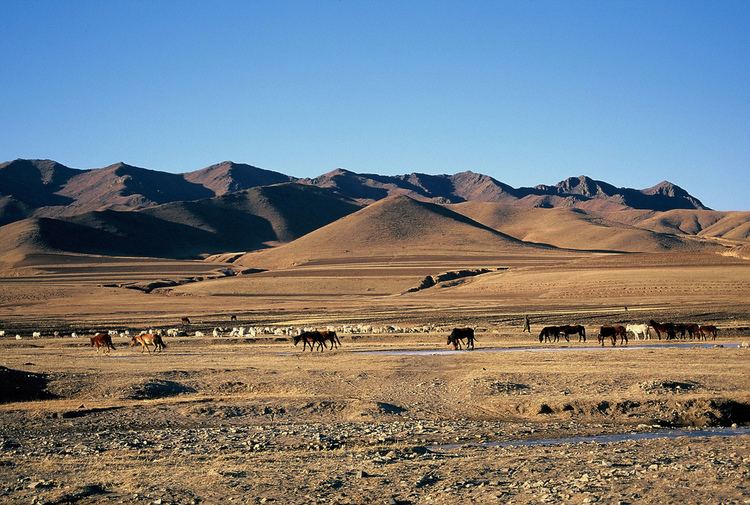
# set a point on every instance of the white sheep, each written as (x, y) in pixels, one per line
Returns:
(18, 337)
(74, 335)
(2, 333)
(36, 334)
(199, 334)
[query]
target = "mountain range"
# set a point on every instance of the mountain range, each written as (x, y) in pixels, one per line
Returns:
(126, 210)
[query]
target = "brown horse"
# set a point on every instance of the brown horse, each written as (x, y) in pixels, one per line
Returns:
(310, 338)
(693, 330)
(330, 336)
(102, 340)
(666, 328)
(708, 329)
(613, 332)
(551, 334)
(575, 329)
(185, 320)
(458, 335)
(147, 339)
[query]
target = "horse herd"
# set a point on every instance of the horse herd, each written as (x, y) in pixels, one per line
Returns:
(639, 331)
(144, 339)
(459, 338)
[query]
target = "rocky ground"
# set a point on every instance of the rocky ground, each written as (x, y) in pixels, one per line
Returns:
(264, 423)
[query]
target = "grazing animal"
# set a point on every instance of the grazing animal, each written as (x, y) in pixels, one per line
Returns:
(573, 329)
(458, 335)
(550, 334)
(681, 329)
(693, 330)
(329, 335)
(666, 328)
(147, 339)
(185, 320)
(639, 331)
(233, 317)
(708, 329)
(613, 332)
(102, 340)
(36, 334)
(2, 333)
(311, 338)
(199, 334)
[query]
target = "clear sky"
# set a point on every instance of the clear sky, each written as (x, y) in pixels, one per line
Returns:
(529, 91)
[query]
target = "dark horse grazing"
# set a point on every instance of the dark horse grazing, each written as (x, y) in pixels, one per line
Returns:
(693, 330)
(185, 320)
(551, 334)
(102, 340)
(233, 317)
(613, 332)
(330, 336)
(667, 328)
(708, 329)
(573, 330)
(458, 335)
(310, 338)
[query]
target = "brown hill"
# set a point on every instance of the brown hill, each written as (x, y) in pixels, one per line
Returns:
(28, 184)
(459, 187)
(248, 219)
(394, 227)
(244, 221)
(228, 177)
(122, 186)
(573, 229)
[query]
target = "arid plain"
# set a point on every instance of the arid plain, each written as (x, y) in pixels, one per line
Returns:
(393, 415)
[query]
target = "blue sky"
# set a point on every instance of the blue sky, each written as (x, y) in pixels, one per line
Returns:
(528, 92)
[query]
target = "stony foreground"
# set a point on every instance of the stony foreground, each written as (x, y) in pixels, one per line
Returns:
(264, 424)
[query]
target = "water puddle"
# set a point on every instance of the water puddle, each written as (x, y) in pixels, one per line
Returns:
(448, 352)
(608, 439)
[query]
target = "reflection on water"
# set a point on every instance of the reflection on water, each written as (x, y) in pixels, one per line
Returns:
(606, 439)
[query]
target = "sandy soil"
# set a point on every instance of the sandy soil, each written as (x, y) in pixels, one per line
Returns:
(210, 420)
(255, 420)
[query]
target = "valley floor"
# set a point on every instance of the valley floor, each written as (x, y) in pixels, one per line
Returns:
(256, 420)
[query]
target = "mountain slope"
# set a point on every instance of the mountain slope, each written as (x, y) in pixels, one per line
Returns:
(573, 229)
(394, 226)
(122, 186)
(228, 177)
(236, 222)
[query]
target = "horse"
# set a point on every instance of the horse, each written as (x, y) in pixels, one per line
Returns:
(613, 332)
(693, 330)
(575, 329)
(706, 330)
(639, 331)
(659, 328)
(310, 338)
(551, 334)
(458, 335)
(185, 320)
(681, 329)
(102, 340)
(330, 336)
(147, 339)
(233, 317)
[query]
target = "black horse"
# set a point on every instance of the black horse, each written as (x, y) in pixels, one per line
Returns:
(575, 329)
(551, 334)
(458, 335)
(311, 338)
(613, 332)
